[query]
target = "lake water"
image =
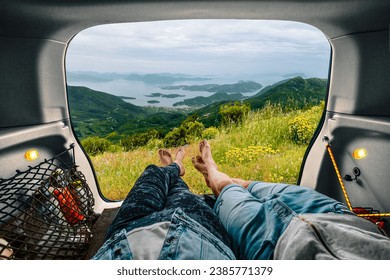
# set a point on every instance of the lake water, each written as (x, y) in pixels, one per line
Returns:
(139, 90)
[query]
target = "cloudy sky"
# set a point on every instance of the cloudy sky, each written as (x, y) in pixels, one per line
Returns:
(202, 47)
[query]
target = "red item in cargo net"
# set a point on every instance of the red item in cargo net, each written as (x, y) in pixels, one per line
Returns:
(68, 205)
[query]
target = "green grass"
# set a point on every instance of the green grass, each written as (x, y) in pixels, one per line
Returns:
(262, 148)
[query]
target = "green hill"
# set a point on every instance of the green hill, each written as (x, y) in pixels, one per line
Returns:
(99, 113)
(295, 93)
(268, 88)
(96, 113)
(88, 103)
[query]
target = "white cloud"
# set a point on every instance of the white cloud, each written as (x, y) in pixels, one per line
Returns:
(201, 47)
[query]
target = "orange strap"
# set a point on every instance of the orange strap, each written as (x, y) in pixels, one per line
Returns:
(348, 202)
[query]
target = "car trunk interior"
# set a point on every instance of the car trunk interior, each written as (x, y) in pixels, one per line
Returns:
(34, 108)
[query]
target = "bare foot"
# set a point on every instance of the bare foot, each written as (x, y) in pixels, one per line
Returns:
(179, 160)
(205, 150)
(206, 165)
(201, 167)
(165, 157)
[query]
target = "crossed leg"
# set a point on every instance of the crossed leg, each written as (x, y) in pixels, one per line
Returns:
(166, 158)
(179, 196)
(149, 193)
(215, 179)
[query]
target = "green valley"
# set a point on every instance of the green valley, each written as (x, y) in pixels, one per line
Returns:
(277, 129)
(96, 113)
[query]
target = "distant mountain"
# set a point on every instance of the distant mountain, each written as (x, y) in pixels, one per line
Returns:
(267, 88)
(162, 78)
(99, 113)
(293, 75)
(89, 76)
(294, 93)
(155, 79)
(200, 101)
(240, 87)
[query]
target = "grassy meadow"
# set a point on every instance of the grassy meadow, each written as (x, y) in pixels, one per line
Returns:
(269, 146)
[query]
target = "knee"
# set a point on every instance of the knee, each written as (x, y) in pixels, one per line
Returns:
(152, 167)
(151, 170)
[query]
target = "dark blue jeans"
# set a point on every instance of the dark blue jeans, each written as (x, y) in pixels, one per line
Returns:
(157, 193)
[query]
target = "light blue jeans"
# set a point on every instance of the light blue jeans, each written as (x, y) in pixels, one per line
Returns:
(256, 217)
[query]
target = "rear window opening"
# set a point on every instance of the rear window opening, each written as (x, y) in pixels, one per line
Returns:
(254, 89)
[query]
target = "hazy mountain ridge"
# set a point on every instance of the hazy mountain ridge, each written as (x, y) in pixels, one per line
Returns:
(100, 113)
(294, 93)
(297, 92)
(157, 78)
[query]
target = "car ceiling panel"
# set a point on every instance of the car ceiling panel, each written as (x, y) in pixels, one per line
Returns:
(61, 20)
(360, 70)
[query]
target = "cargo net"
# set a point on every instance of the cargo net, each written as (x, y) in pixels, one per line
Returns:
(46, 212)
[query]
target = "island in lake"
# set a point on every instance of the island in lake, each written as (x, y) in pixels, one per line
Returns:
(203, 101)
(158, 94)
(127, 97)
(239, 87)
(153, 101)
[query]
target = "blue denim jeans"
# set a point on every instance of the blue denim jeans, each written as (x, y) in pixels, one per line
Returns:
(186, 240)
(257, 216)
(156, 196)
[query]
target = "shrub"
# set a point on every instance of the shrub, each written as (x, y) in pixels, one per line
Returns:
(194, 129)
(233, 113)
(302, 127)
(210, 133)
(95, 145)
(250, 153)
(155, 144)
(188, 131)
(176, 137)
(138, 140)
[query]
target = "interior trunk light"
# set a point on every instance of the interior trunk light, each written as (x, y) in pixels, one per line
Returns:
(359, 153)
(31, 155)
